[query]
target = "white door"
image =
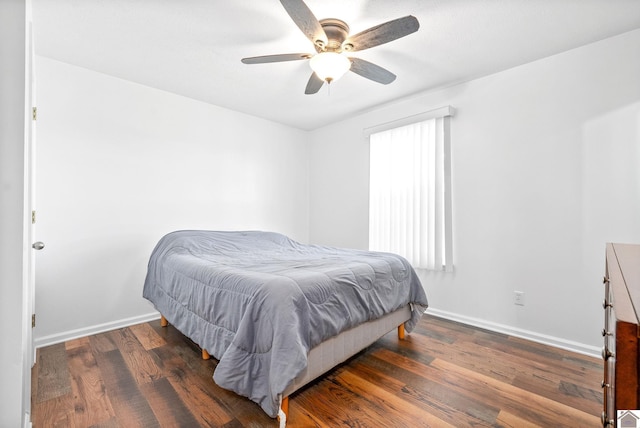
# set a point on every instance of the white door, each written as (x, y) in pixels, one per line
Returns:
(31, 189)
(30, 155)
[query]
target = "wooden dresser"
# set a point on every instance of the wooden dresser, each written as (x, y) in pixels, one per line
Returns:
(621, 332)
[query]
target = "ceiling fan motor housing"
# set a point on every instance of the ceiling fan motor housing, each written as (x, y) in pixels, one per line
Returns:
(337, 32)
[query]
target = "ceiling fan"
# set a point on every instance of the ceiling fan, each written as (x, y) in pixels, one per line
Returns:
(331, 40)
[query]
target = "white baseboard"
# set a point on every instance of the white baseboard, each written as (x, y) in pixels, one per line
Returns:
(557, 342)
(41, 342)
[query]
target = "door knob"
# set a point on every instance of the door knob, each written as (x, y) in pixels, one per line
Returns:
(38, 245)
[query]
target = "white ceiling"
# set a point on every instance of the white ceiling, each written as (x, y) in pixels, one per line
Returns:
(193, 47)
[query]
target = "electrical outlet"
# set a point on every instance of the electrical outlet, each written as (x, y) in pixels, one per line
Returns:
(518, 298)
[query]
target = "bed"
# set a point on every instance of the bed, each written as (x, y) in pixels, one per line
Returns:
(276, 313)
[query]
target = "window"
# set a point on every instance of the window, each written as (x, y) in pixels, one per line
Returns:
(410, 189)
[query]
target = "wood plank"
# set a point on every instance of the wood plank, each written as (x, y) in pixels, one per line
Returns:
(56, 412)
(300, 417)
(111, 423)
(553, 360)
(246, 411)
(130, 405)
(147, 336)
(586, 399)
(90, 401)
(448, 330)
(102, 343)
(234, 423)
(336, 406)
(75, 343)
(502, 395)
(406, 347)
(194, 391)
(138, 360)
(482, 355)
(385, 403)
(540, 410)
(173, 337)
(53, 373)
(476, 358)
(434, 398)
(506, 419)
(167, 405)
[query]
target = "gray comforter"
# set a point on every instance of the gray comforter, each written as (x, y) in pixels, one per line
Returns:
(259, 301)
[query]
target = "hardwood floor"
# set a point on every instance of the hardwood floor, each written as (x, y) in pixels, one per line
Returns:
(443, 374)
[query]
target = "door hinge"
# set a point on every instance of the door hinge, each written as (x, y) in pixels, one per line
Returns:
(33, 217)
(33, 320)
(34, 113)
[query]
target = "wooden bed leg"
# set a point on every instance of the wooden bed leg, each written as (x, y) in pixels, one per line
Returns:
(205, 355)
(163, 321)
(401, 332)
(285, 407)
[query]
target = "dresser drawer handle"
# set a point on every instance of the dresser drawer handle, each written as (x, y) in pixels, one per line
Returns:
(606, 333)
(606, 354)
(604, 384)
(605, 422)
(605, 280)
(606, 304)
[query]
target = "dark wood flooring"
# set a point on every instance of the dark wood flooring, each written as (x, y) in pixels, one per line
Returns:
(443, 374)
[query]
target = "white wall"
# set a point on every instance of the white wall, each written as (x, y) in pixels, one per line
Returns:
(536, 153)
(13, 19)
(120, 165)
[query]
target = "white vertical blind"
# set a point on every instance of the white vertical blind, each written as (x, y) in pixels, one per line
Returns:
(409, 199)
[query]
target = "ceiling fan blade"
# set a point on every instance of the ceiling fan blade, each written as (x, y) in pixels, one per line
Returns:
(305, 20)
(275, 58)
(313, 85)
(371, 71)
(383, 33)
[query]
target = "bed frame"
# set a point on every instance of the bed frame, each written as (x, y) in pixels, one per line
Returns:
(338, 349)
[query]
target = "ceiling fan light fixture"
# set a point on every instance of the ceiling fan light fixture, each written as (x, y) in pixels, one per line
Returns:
(330, 66)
